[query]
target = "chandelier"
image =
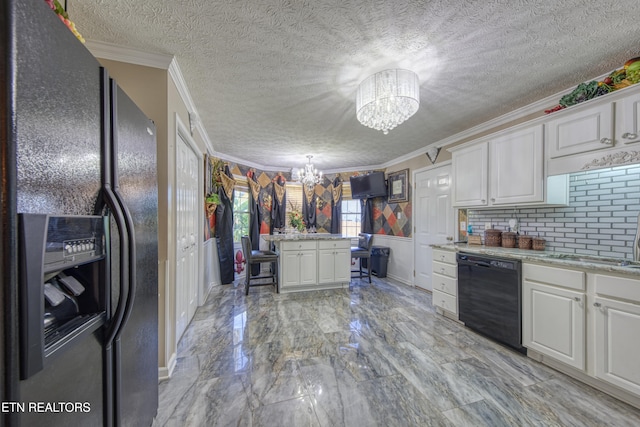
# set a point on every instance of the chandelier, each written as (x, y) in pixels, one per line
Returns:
(388, 98)
(309, 176)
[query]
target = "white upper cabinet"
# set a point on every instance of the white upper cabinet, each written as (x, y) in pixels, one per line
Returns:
(469, 170)
(586, 129)
(628, 124)
(506, 169)
(516, 165)
(597, 134)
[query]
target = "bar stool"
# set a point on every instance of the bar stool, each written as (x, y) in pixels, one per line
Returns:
(253, 257)
(363, 251)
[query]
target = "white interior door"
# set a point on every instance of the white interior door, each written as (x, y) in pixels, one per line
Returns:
(186, 235)
(433, 219)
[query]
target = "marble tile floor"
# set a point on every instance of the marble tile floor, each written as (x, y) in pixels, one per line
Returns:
(371, 355)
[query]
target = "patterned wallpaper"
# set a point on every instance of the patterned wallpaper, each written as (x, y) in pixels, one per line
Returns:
(392, 219)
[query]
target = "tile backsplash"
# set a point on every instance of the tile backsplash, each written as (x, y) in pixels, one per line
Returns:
(601, 217)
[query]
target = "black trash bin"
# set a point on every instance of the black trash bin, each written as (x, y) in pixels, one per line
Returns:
(379, 260)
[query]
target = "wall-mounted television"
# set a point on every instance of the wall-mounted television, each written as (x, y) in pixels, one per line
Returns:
(368, 186)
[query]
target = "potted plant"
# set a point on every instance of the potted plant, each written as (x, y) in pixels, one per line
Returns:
(211, 202)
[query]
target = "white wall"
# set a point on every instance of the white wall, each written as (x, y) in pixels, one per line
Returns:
(211, 270)
(400, 265)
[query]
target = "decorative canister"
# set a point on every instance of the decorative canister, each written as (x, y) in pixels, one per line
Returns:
(508, 239)
(524, 242)
(492, 237)
(538, 243)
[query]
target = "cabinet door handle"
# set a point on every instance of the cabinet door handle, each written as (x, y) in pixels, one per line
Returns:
(597, 304)
(577, 299)
(483, 201)
(606, 141)
(629, 135)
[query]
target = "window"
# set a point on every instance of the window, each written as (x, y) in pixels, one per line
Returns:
(240, 214)
(294, 198)
(351, 218)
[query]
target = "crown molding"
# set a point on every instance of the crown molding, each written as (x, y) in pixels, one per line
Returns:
(169, 62)
(244, 162)
(129, 55)
(520, 113)
(183, 90)
(114, 52)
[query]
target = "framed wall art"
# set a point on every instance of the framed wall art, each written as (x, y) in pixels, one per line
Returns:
(398, 182)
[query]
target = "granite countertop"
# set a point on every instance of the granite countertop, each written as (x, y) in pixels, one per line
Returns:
(302, 236)
(585, 262)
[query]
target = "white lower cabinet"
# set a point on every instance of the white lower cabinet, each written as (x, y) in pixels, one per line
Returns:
(334, 261)
(553, 321)
(445, 282)
(553, 313)
(587, 320)
(616, 308)
(298, 268)
(298, 264)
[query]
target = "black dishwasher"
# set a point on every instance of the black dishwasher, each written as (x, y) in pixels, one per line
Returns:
(490, 297)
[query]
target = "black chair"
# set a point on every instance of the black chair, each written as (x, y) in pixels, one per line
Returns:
(363, 251)
(253, 257)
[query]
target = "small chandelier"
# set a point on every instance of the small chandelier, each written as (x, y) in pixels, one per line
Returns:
(388, 98)
(309, 176)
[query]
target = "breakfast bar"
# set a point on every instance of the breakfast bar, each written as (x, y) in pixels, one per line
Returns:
(309, 262)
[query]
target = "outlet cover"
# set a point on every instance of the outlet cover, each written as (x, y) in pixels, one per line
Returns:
(487, 226)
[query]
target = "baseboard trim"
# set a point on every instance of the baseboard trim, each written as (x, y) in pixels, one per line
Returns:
(622, 395)
(398, 279)
(165, 372)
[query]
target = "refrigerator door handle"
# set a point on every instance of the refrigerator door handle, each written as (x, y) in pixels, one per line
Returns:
(119, 314)
(128, 219)
(131, 265)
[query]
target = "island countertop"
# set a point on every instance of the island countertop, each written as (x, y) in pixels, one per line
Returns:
(302, 236)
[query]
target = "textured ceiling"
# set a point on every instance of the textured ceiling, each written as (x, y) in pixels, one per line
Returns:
(275, 80)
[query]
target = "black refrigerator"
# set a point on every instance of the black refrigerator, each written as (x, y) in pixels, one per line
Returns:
(75, 150)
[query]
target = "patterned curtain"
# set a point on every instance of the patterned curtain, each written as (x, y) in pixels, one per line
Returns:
(366, 215)
(336, 206)
(278, 205)
(254, 216)
(224, 226)
(309, 201)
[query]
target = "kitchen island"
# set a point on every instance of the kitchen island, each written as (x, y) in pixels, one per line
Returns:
(309, 262)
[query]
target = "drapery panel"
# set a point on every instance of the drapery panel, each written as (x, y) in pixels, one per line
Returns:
(224, 226)
(279, 204)
(336, 206)
(255, 216)
(367, 215)
(309, 214)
